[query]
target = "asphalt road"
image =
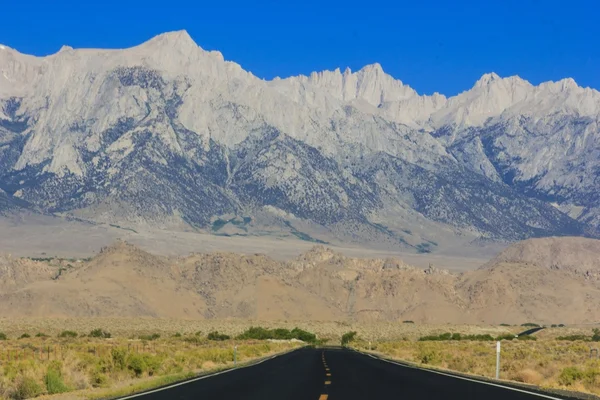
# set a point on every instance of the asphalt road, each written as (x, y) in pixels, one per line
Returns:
(312, 374)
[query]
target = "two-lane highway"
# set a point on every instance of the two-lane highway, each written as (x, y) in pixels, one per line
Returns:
(332, 374)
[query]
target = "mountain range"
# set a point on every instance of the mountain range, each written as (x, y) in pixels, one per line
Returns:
(167, 134)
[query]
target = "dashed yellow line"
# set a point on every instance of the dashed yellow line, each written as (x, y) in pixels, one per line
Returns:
(328, 382)
(328, 374)
(323, 397)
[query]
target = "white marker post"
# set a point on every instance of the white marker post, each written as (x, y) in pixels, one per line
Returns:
(497, 360)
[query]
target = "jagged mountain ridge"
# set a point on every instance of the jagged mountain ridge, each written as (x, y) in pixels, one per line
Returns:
(167, 132)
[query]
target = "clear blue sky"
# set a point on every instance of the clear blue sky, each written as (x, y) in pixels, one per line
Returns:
(431, 45)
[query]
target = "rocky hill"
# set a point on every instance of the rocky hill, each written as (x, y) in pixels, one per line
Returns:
(319, 285)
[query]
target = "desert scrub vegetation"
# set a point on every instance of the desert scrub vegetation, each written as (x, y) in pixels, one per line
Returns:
(260, 333)
(547, 363)
(94, 365)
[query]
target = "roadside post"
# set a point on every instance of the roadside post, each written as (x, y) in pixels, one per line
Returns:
(498, 360)
(234, 355)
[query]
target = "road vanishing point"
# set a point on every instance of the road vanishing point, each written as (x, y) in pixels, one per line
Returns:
(335, 374)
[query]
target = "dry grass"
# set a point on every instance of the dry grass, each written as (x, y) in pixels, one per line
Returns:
(95, 368)
(546, 362)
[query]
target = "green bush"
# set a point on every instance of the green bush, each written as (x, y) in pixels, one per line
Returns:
(54, 382)
(99, 333)
(527, 337)
(431, 357)
(25, 336)
(3, 336)
(596, 335)
(408, 322)
(41, 335)
(99, 379)
(456, 336)
(348, 337)
(119, 358)
(531, 325)
(573, 338)
(178, 334)
(503, 324)
(151, 337)
(137, 364)
(217, 336)
(260, 333)
(67, 334)
(570, 375)
(27, 388)
(506, 336)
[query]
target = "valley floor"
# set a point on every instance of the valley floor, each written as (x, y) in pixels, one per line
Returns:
(45, 236)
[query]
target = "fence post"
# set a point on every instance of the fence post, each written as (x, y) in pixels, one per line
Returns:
(498, 360)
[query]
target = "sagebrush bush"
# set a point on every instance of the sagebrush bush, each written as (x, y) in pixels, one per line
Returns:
(27, 388)
(137, 364)
(3, 336)
(54, 382)
(217, 336)
(67, 334)
(99, 333)
(570, 375)
(348, 337)
(151, 337)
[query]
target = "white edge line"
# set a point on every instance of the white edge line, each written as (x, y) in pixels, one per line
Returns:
(199, 378)
(463, 378)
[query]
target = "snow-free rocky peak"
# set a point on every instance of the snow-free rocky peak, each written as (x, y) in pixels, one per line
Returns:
(166, 133)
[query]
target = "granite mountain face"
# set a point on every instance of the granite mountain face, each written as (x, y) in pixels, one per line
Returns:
(167, 134)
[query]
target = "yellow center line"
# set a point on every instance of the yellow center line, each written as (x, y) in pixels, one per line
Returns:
(323, 397)
(328, 374)
(328, 382)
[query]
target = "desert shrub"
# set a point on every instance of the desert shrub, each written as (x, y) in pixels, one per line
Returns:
(54, 382)
(119, 358)
(408, 322)
(41, 335)
(99, 333)
(217, 336)
(529, 376)
(260, 333)
(596, 335)
(506, 336)
(429, 356)
(67, 334)
(531, 325)
(570, 375)
(303, 335)
(27, 388)
(503, 324)
(25, 336)
(573, 338)
(99, 379)
(3, 336)
(527, 337)
(153, 363)
(137, 364)
(348, 337)
(178, 334)
(153, 336)
(456, 336)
